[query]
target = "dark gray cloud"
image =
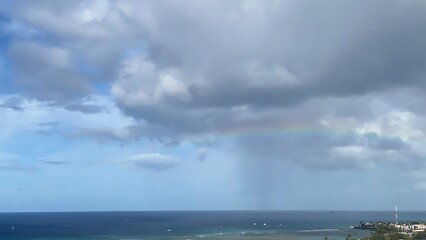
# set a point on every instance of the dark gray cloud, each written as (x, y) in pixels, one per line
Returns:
(268, 54)
(126, 134)
(155, 162)
(102, 135)
(13, 103)
(46, 72)
(262, 59)
(55, 162)
(84, 108)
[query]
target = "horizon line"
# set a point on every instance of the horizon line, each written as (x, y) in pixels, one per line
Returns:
(214, 210)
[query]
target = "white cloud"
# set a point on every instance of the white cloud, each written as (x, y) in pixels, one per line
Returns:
(170, 86)
(141, 83)
(260, 74)
(92, 11)
(394, 123)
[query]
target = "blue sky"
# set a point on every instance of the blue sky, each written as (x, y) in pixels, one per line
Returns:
(256, 105)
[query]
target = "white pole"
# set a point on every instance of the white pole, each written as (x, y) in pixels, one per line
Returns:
(396, 214)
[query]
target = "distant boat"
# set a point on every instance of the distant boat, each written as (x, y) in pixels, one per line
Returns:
(331, 211)
(254, 224)
(264, 224)
(13, 227)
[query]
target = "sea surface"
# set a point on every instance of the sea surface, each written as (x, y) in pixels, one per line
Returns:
(194, 225)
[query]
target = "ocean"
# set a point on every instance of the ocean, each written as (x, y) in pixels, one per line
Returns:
(185, 225)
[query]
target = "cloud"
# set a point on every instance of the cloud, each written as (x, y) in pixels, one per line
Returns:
(264, 66)
(47, 72)
(276, 48)
(263, 52)
(328, 151)
(184, 74)
(201, 154)
(16, 167)
(54, 121)
(376, 141)
(334, 138)
(84, 108)
(155, 162)
(55, 162)
(13, 103)
(47, 124)
(125, 134)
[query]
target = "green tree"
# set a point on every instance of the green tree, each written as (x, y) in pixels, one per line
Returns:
(387, 232)
(419, 236)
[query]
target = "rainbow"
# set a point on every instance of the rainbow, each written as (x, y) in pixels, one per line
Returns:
(291, 130)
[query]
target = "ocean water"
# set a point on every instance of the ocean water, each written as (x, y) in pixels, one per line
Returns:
(185, 225)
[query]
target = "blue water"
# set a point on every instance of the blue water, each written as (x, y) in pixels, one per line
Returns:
(191, 225)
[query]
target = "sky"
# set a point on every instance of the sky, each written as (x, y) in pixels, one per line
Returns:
(212, 105)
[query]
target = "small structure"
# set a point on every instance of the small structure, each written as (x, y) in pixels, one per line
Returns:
(396, 214)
